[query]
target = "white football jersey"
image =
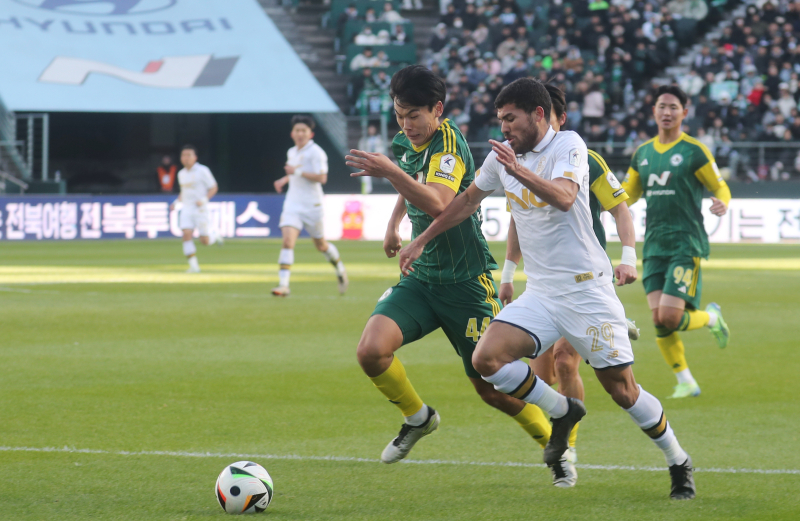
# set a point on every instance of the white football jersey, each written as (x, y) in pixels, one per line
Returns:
(195, 184)
(560, 250)
(310, 159)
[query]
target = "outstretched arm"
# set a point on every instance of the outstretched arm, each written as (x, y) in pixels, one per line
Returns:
(430, 198)
(513, 256)
(462, 207)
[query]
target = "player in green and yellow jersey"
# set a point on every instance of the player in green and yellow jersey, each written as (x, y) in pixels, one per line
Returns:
(450, 286)
(560, 364)
(671, 171)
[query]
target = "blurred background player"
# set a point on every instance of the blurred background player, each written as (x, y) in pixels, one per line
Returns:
(306, 171)
(197, 185)
(560, 364)
(670, 171)
(450, 286)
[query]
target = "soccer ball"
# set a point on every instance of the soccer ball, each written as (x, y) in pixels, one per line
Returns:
(244, 487)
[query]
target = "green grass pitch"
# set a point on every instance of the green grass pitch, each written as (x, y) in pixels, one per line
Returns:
(149, 382)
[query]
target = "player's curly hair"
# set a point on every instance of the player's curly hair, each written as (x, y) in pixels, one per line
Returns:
(417, 86)
(305, 120)
(525, 94)
(671, 89)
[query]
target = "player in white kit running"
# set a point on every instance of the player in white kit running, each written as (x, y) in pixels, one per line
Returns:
(545, 177)
(306, 171)
(197, 187)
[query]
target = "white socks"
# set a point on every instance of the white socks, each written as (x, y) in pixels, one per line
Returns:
(685, 377)
(285, 260)
(517, 380)
(332, 254)
(419, 417)
(189, 248)
(193, 263)
(648, 414)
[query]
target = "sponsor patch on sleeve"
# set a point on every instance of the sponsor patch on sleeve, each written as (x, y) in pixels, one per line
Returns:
(447, 163)
(443, 175)
(619, 192)
(613, 181)
(575, 157)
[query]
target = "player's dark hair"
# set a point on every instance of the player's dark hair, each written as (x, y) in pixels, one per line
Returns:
(417, 86)
(305, 120)
(189, 146)
(671, 89)
(525, 94)
(557, 99)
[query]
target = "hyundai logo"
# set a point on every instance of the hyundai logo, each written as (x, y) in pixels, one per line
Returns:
(100, 7)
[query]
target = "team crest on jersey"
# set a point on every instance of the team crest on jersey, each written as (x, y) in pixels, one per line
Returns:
(612, 180)
(540, 165)
(447, 163)
(575, 157)
(676, 160)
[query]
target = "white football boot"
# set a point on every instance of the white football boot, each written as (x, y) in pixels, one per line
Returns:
(409, 435)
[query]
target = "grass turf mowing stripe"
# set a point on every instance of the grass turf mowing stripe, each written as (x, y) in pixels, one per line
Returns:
(185, 454)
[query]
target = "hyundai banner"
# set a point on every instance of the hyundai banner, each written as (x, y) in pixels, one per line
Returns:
(347, 217)
(150, 56)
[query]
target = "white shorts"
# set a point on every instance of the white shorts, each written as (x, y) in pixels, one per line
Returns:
(303, 217)
(192, 217)
(593, 321)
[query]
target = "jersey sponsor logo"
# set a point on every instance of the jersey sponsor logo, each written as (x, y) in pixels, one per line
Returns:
(619, 192)
(661, 180)
(584, 277)
(612, 180)
(660, 192)
(447, 163)
(540, 165)
(449, 177)
(676, 160)
(575, 157)
(644, 162)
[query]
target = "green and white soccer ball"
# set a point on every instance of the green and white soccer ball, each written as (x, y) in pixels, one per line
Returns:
(244, 487)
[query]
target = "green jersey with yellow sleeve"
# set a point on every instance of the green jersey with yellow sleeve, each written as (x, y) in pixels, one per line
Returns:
(460, 253)
(605, 193)
(672, 177)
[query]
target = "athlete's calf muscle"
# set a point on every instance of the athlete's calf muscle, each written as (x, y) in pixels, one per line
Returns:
(501, 344)
(380, 339)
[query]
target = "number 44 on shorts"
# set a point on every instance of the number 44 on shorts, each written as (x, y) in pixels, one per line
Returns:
(472, 328)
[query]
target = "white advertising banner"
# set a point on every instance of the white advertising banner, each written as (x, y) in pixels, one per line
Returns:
(364, 217)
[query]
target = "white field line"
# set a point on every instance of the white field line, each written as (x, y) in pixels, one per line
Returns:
(240, 456)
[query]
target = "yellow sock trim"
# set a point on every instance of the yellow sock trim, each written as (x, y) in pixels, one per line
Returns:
(573, 436)
(673, 351)
(532, 419)
(693, 319)
(395, 386)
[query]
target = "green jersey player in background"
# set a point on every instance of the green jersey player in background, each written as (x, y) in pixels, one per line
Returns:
(560, 364)
(671, 171)
(450, 286)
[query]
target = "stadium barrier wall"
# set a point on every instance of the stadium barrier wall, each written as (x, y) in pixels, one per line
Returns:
(353, 217)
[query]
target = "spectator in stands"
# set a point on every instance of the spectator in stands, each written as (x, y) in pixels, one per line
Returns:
(408, 5)
(593, 105)
(439, 37)
(383, 59)
(350, 13)
(370, 16)
(166, 174)
(382, 81)
(399, 37)
(389, 15)
(786, 101)
(372, 142)
(366, 37)
(364, 59)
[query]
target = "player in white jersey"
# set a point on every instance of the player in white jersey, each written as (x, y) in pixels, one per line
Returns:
(306, 171)
(569, 293)
(197, 187)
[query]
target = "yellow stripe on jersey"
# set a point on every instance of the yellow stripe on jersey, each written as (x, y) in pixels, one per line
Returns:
(487, 284)
(632, 186)
(597, 157)
(447, 169)
(695, 277)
